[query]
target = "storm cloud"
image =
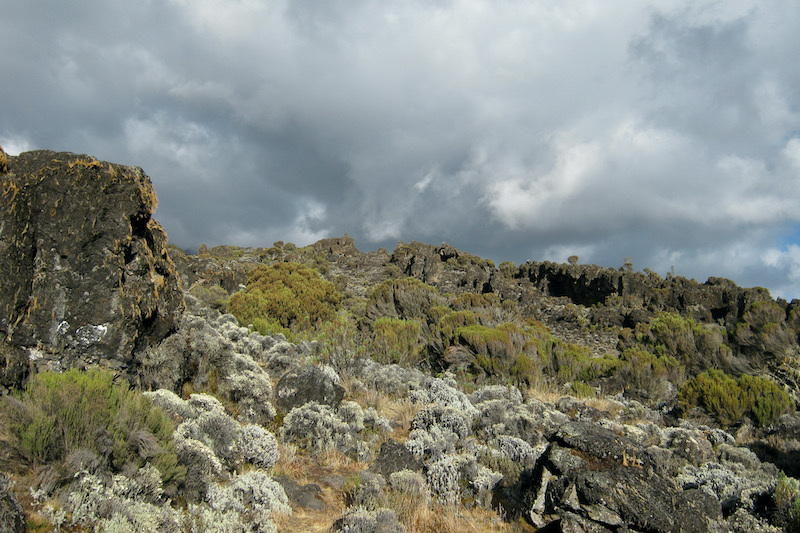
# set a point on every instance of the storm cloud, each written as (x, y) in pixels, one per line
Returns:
(514, 129)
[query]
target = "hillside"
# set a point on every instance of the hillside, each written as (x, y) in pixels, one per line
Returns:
(324, 388)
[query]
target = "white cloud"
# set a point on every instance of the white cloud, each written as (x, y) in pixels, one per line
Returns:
(14, 144)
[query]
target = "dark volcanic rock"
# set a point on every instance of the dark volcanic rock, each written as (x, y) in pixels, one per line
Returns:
(12, 518)
(308, 496)
(309, 384)
(394, 457)
(84, 267)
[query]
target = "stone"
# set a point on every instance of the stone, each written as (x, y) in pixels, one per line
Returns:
(394, 457)
(310, 383)
(84, 266)
(308, 496)
(12, 517)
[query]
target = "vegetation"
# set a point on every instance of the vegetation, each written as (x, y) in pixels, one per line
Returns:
(787, 501)
(58, 415)
(285, 297)
(729, 399)
(396, 341)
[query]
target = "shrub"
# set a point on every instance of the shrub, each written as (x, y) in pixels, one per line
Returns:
(787, 500)
(288, 295)
(58, 414)
(696, 346)
(729, 399)
(396, 341)
(407, 298)
(258, 446)
(643, 370)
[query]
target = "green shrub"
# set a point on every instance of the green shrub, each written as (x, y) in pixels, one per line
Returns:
(396, 341)
(695, 346)
(583, 389)
(646, 371)
(729, 399)
(58, 414)
(213, 296)
(289, 295)
(407, 298)
(787, 501)
(766, 400)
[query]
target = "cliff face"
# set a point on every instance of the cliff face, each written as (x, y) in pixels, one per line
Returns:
(83, 267)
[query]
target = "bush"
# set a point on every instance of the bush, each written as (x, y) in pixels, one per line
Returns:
(285, 295)
(407, 298)
(729, 399)
(695, 346)
(58, 414)
(396, 341)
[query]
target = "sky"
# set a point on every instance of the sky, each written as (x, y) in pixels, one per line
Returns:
(666, 132)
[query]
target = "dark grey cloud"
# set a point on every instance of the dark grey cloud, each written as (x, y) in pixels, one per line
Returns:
(515, 130)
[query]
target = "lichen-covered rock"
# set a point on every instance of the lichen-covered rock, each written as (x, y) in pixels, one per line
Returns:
(84, 273)
(395, 457)
(12, 518)
(359, 520)
(311, 383)
(308, 496)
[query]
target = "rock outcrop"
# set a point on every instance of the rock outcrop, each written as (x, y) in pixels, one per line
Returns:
(84, 272)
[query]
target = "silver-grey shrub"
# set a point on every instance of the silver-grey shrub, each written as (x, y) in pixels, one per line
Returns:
(454, 477)
(443, 392)
(254, 495)
(360, 520)
(316, 428)
(258, 446)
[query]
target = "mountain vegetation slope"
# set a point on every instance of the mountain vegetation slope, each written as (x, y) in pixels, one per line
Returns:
(322, 388)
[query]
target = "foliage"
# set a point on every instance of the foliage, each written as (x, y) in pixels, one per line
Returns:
(396, 341)
(407, 298)
(729, 399)
(646, 371)
(58, 414)
(787, 500)
(285, 295)
(695, 346)
(213, 296)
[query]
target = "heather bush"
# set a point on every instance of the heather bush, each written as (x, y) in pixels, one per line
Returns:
(763, 329)
(212, 296)
(646, 371)
(407, 299)
(695, 346)
(729, 399)
(787, 501)
(289, 295)
(58, 414)
(396, 341)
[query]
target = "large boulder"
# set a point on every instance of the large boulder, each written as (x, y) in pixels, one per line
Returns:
(84, 273)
